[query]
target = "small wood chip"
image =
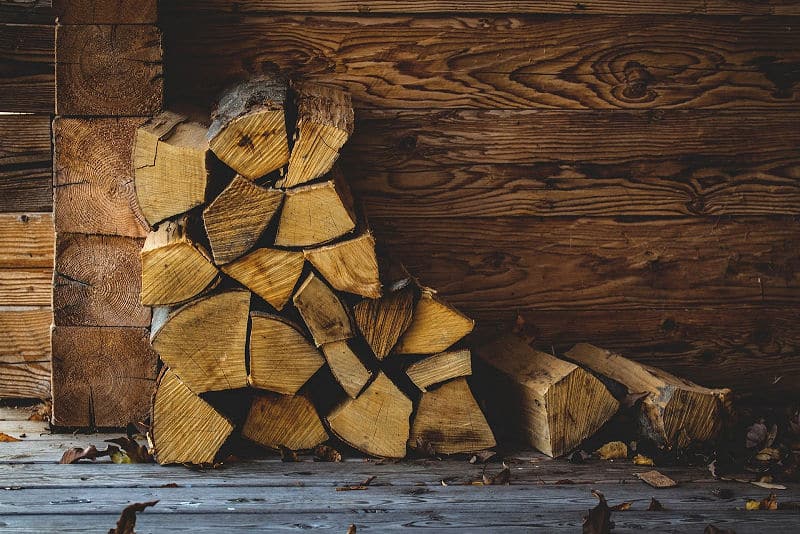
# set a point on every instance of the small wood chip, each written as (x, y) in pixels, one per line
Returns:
(656, 479)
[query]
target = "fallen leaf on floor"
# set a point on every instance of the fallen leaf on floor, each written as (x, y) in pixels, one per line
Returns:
(41, 412)
(500, 479)
(357, 487)
(640, 459)
(169, 485)
(445, 484)
(612, 450)
(481, 457)
(599, 519)
(655, 505)
(770, 503)
(768, 485)
(5, 438)
(756, 435)
(91, 452)
(424, 448)
(579, 457)
(325, 453)
(656, 479)
(288, 455)
(131, 452)
(711, 529)
(351, 530)
(127, 520)
(621, 507)
(768, 454)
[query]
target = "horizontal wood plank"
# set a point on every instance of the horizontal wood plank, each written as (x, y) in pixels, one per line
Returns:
(27, 11)
(26, 287)
(106, 11)
(26, 240)
(27, 79)
(25, 354)
(26, 164)
(602, 62)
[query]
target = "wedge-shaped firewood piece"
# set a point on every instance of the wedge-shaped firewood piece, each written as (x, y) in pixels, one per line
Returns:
(675, 411)
(449, 420)
(346, 367)
(185, 428)
(248, 129)
(376, 422)
(435, 326)
(204, 341)
(170, 166)
(238, 216)
(559, 403)
(269, 273)
(350, 265)
(174, 267)
(276, 421)
(440, 367)
(281, 358)
(382, 321)
(314, 214)
(324, 123)
(323, 312)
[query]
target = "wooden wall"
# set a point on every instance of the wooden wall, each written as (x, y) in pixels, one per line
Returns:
(620, 172)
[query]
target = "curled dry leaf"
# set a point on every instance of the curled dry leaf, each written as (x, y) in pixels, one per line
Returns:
(768, 485)
(655, 505)
(612, 451)
(325, 453)
(768, 454)
(131, 453)
(91, 452)
(127, 520)
(500, 479)
(288, 455)
(351, 530)
(656, 479)
(770, 503)
(424, 448)
(357, 487)
(756, 435)
(621, 507)
(5, 438)
(41, 412)
(640, 459)
(481, 457)
(599, 519)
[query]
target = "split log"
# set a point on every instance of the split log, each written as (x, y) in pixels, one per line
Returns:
(324, 123)
(281, 358)
(276, 421)
(435, 326)
(174, 267)
(377, 422)
(350, 265)
(382, 321)
(315, 214)
(559, 403)
(185, 428)
(248, 128)
(675, 411)
(204, 341)
(238, 216)
(323, 312)
(270, 273)
(449, 420)
(346, 367)
(440, 367)
(170, 166)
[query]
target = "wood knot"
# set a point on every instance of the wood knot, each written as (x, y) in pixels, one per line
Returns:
(408, 143)
(637, 79)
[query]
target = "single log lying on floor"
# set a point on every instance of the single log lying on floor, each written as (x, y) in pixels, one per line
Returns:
(174, 267)
(382, 321)
(238, 216)
(170, 166)
(346, 367)
(435, 326)
(315, 214)
(449, 420)
(281, 358)
(276, 421)
(203, 342)
(270, 273)
(185, 428)
(323, 312)
(440, 367)
(350, 265)
(324, 123)
(560, 404)
(248, 129)
(675, 411)
(376, 423)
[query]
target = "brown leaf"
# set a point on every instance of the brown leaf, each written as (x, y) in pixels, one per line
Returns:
(656, 479)
(599, 519)
(351, 530)
(324, 453)
(424, 448)
(621, 507)
(770, 503)
(481, 457)
(5, 438)
(655, 506)
(612, 450)
(169, 485)
(358, 487)
(288, 455)
(136, 454)
(127, 520)
(768, 454)
(91, 452)
(711, 529)
(756, 435)
(500, 479)
(41, 412)
(640, 459)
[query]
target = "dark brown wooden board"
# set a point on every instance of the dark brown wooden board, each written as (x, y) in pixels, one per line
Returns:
(106, 11)
(26, 163)
(27, 11)
(427, 62)
(25, 353)
(27, 79)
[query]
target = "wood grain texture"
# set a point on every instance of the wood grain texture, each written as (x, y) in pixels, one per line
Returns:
(94, 190)
(97, 281)
(27, 80)
(102, 377)
(428, 62)
(108, 70)
(26, 163)
(26, 287)
(27, 11)
(106, 11)
(25, 354)
(26, 240)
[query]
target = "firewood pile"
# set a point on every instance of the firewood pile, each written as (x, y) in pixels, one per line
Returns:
(265, 283)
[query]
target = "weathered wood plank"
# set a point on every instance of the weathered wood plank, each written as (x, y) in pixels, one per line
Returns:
(25, 354)
(26, 287)
(27, 11)
(27, 79)
(97, 281)
(26, 240)
(109, 70)
(26, 165)
(106, 11)
(527, 62)
(94, 190)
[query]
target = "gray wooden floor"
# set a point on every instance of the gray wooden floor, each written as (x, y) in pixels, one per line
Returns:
(39, 496)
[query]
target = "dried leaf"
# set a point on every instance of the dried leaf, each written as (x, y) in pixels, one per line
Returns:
(621, 507)
(612, 450)
(481, 457)
(5, 438)
(599, 519)
(41, 412)
(132, 452)
(770, 503)
(768, 485)
(640, 459)
(768, 454)
(169, 485)
(756, 435)
(357, 487)
(324, 453)
(656, 479)
(771, 435)
(655, 506)
(127, 520)
(351, 530)
(91, 452)
(288, 455)
(711, 529)
(579, 457)
(500, 479)
(424, 448)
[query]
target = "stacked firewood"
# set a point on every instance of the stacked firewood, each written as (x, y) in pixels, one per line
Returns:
(265, 282)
